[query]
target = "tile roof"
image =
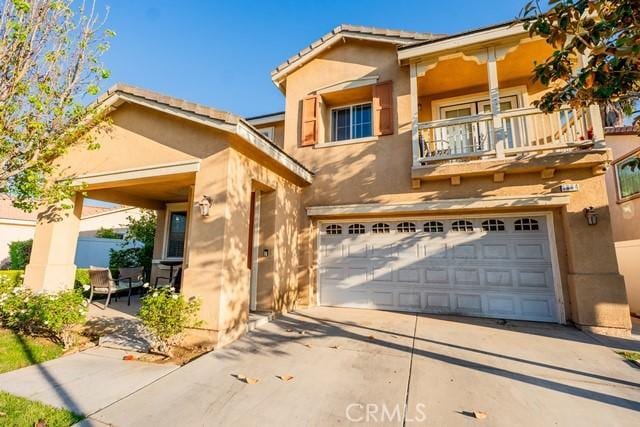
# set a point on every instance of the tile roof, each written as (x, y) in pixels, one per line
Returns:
(620, 130)
(399, 37)
(171, 101)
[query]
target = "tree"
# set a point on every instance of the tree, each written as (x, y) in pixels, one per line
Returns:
(607, 34)
(50, 69)
(139, 230)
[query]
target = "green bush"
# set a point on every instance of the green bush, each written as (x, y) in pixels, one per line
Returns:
(166, 315)
(19, 253)
(9, 279)
(53, 315)
(139, 230)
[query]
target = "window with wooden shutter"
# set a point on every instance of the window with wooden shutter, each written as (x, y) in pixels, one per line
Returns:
(383, 108)
(309, 135)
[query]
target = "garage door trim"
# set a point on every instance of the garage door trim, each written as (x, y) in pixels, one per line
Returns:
(555, 266)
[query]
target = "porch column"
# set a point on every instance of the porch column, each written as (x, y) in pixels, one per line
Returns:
(51, 266)
(415, 138)
(594, 113)
(494, 97)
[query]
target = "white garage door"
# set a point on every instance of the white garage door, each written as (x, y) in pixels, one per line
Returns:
(494, 267)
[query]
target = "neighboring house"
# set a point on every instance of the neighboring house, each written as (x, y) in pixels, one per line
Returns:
(410, 173)
(623, 187)
(16, 224)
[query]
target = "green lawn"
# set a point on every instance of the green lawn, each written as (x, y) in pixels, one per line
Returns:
(17, 351)
(18, 412)
(630, 355)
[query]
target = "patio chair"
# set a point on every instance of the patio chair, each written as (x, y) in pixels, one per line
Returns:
(135, 273)
(173, 282)
(102, 283)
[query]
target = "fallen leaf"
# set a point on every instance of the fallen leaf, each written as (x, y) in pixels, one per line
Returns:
(307, 345)
(285, 378)
(289, 330)
(335, 346)
(128, 357)
(480, 415)
(251, 380)
(371, 337)
(303, 332)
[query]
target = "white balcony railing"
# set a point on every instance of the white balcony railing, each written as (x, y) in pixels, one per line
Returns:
(509, 133)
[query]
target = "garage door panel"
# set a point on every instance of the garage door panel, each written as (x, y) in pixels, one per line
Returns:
(437, 275)
(410, 275)
(468, 303)
(484, 272)
(438, 302)
(495, 251)
(466, 276)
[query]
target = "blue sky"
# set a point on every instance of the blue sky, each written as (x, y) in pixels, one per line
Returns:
(221, 53)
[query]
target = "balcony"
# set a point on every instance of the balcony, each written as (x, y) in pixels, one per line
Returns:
(472, 111)
(508, 134)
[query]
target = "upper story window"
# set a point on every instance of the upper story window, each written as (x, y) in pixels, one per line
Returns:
(177, 230)
(526, 224)
(628, 176)
(268, 132)
(351, 122)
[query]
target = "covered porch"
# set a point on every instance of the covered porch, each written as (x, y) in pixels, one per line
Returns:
(235, 256)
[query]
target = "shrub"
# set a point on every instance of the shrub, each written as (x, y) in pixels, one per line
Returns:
(53, 315)
(140, 230)
(9, 279)
(19, 253)
(107, 233)
(166, 315)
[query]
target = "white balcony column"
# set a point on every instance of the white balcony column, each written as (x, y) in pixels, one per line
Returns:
(594, 113)
(494, 97)
(415, 138)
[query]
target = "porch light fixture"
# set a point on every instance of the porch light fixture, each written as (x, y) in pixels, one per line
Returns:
(204, 204)
(591, 215)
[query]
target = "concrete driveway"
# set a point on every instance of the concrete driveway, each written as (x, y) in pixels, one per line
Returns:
(365, 366)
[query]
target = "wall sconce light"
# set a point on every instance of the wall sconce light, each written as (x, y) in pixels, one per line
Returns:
(591, 215)
(204, 204)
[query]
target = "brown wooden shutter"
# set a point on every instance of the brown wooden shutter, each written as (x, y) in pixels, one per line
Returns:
(383, 108)
(309, 134)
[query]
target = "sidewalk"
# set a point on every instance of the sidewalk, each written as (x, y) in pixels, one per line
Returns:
(84, 382)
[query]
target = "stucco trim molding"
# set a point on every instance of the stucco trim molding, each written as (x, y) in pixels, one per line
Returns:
(483, 203)
(21, 222)
(138, 173)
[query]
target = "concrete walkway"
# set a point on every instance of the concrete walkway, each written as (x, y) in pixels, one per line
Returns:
(365, 366)
(83, 382)
(356, 366)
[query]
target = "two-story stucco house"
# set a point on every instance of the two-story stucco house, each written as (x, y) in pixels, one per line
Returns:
(408, 172)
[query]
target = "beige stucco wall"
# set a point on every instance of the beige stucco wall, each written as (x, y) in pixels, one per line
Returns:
(625, 216)
(380, 171)
(625, 219)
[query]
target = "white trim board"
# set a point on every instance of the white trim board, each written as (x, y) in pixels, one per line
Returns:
(484, 203)
(138, 173)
